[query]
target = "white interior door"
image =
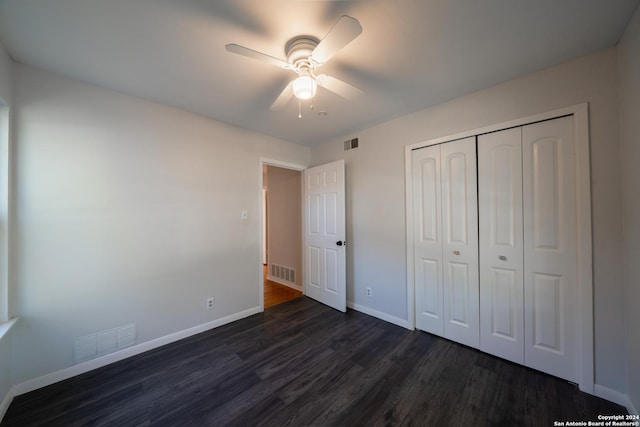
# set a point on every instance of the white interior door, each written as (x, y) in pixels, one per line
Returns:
(428, 240)
(550, 248)
(501, 252)
(324, 235)
(460, 241)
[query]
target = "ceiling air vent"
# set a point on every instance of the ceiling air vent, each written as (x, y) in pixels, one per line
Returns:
(350, 144)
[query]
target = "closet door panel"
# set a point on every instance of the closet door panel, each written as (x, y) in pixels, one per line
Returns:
(460, 241)
(550, 248)
(428, 240)
(501, 251)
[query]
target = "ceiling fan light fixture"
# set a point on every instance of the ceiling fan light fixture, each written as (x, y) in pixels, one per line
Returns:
(305, 87)
(305, 54)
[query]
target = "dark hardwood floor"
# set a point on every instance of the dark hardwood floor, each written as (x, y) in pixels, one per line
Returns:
(302, 363)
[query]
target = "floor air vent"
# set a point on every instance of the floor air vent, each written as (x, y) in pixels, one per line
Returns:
(105, 342)
(283, 273)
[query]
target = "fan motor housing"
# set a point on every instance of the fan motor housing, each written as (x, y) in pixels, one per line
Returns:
(298, 49)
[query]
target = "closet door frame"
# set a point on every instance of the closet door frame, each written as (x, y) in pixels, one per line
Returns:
(584, 277)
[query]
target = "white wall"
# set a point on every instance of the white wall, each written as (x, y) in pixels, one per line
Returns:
(629, 80)
(375, 188)
(284, 219)
(127, 212)
(5, 76)
(6, 348)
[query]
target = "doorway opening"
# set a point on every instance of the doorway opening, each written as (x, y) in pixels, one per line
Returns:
(282, 276)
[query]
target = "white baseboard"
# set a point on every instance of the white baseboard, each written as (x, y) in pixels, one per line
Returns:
(4, 405)
(105, 360)
(615, 397)
(282, 282)
(380, 315)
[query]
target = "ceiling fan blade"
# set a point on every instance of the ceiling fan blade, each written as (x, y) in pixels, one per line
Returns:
(342, 33)
(250, 53)
(339, 87)
(283, 99)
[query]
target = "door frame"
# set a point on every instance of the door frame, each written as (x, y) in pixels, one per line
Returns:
(262, 161)
(584, 277)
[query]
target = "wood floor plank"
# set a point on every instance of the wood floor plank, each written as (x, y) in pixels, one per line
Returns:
(245, 403)
(302, 363)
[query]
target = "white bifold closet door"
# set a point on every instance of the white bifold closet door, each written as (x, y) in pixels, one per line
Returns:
(446, 240)
(550, 248)
(501, 250)
(428, 240)
(528, 246)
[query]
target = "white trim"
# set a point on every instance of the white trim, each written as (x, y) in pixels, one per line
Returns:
(4, 405)
(615, 397)
(284, 283)
(566, 111)
(379, 314)
(585, 253)
(281, 164)
(580, 113)
(262, 161)
(81, 368)
(6, 216)
(586, 374)
(6, 326)
(408, 196)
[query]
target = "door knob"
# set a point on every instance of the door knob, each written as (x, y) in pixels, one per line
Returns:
(340, 243)
(502, 258)
(456, 252)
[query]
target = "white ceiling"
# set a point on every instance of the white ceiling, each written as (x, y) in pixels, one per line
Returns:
(412, 54)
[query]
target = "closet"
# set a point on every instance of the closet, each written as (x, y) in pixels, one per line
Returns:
(447, 242)
(495, 244)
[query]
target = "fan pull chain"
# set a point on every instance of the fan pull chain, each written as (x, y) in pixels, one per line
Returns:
(299, 108)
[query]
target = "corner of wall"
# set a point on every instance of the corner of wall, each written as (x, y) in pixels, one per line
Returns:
(628, 51)
(6, 65)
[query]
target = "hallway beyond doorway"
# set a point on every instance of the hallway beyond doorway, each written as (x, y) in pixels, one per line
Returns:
(275, 293)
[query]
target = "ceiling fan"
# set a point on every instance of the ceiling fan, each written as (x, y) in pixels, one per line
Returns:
(305, 54)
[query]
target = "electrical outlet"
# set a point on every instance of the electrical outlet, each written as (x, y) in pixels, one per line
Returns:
(210, 302)
(369, 292)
